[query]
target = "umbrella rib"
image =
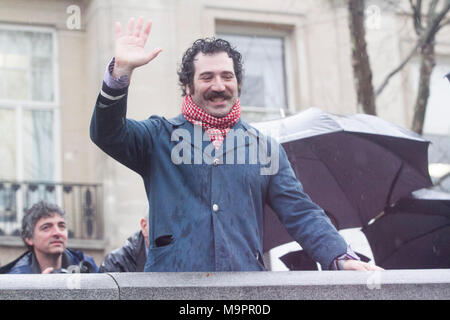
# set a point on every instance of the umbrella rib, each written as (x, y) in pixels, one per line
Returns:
(337, 182)
(413, 239)
(394, 182)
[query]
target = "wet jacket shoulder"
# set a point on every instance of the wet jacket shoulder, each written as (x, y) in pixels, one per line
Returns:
(130, 258)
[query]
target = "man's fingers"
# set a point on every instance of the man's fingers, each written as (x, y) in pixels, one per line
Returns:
(359, 265)
(48, 270)
(375, 268)
(137, 31)
(130, 27)
(147, 29)
(118, 30)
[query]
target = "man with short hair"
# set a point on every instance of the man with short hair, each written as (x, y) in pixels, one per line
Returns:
(132, 256)
(205, 190)
(44, 232)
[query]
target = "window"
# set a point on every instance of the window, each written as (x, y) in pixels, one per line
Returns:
(265, 84)
(28, 111)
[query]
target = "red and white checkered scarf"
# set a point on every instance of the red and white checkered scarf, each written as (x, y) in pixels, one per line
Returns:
(216, 128)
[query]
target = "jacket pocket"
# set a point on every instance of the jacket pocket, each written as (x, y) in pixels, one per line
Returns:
(164, 240)
(156, 254)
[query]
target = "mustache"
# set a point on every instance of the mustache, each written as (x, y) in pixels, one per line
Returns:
(217, 94)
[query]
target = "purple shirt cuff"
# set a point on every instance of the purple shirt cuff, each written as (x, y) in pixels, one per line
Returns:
(349, 255)
(112, 82)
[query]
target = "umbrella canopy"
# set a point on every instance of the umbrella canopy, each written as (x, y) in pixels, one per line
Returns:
(414, 233)
(352, 166)
(300, 260)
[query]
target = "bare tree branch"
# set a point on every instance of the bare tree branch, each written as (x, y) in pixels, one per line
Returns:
(432, 10)
(433, 24)
(393, 72)
(444, 23)
(426, 37)
(417, 16)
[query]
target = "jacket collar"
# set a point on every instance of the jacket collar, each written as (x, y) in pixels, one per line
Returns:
(65, 262)
(181, 121)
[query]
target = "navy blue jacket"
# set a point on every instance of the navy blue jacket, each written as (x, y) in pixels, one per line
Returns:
(207, 214)
(27, 263)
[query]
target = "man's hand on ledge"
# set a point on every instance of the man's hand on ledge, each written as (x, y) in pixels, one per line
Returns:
(359, 266)
(48, 270)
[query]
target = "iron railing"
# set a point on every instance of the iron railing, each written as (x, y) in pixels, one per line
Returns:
(81, 202)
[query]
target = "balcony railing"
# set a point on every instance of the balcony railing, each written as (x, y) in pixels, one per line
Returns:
(81, 202)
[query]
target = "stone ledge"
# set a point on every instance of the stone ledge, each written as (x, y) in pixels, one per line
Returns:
(294, 285)
(58, 287)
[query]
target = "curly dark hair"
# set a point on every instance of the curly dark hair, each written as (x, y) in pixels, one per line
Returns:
(207, 46)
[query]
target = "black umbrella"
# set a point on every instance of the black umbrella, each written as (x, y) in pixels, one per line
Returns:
(414, 233)
(300, 260)
(352, 166)
(448, 76)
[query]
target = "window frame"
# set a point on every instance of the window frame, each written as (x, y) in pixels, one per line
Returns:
(241, 28)
(19, 106)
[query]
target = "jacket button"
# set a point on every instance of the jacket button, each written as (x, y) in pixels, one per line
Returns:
(215, 207)
(216, 162)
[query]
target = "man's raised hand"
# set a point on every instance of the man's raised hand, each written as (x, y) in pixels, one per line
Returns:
(129, 49)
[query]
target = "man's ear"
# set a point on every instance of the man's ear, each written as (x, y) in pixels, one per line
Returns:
(29, 242)
(143, 224)
(188, 90)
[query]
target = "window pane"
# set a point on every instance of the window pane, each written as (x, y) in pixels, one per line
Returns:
(8, 161)
(8, 158)
(41, 44)
(41, 63)
(42, 89)
(38, 145)
(17, 85)
(2, 84)
(26, 60)
(16, 42)
(16, 61)
(264, 83)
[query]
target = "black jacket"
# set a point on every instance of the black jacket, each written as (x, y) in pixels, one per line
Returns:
(130, 258)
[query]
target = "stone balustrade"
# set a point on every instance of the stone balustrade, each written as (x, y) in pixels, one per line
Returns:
(293, 285)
